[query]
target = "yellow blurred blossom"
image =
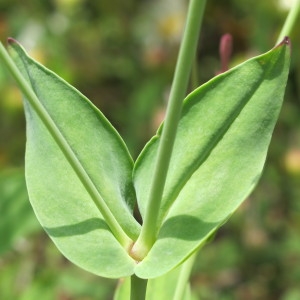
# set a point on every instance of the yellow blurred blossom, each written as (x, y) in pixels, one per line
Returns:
(171, 25)
(292, 161)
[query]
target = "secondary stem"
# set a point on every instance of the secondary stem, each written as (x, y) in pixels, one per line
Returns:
(178, 91)
(290, 21)
(113, 224)
(138, 288)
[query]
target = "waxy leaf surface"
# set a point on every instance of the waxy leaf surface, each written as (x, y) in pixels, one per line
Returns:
(219, 153)
(59, 198)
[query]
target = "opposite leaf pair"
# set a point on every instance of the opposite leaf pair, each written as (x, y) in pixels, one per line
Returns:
(79, 171)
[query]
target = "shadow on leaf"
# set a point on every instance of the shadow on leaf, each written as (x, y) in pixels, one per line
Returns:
(78, 228)
(186, 227)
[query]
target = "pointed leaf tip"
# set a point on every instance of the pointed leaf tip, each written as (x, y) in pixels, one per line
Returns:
(11, 40)
(286, 41)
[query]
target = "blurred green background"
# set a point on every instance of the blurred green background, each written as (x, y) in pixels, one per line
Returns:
(121, 55)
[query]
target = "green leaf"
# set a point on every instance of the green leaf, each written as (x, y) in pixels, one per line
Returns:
(219, 153)
(17, 219)
(58, 194)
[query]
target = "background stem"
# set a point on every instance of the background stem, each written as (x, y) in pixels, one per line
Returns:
(178, 91)
(185, 272)
(290, 21)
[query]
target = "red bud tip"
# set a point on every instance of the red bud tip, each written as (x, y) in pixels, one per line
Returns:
(225, 51)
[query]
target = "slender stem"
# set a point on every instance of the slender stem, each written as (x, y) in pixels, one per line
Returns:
(290, 21)
(185, 272)
(138, 288)
(66, 149)
(178, 91)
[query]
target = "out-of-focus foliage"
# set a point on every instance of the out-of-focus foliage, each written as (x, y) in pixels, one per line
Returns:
(14, 205)
(121, 54)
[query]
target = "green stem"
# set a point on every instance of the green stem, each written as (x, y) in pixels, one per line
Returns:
(138, 288)
(290, 21)
(178, 91)
(29, 94)
(185, 272)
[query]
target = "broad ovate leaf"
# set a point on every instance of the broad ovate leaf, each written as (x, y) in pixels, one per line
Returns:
(219, 153)
(59, 195)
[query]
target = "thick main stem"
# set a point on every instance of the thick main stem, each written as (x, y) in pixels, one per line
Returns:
(138, 288)
(178, 91)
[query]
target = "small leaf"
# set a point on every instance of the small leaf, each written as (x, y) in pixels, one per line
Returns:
(164, 287)
(60, 200)
(219, 153)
